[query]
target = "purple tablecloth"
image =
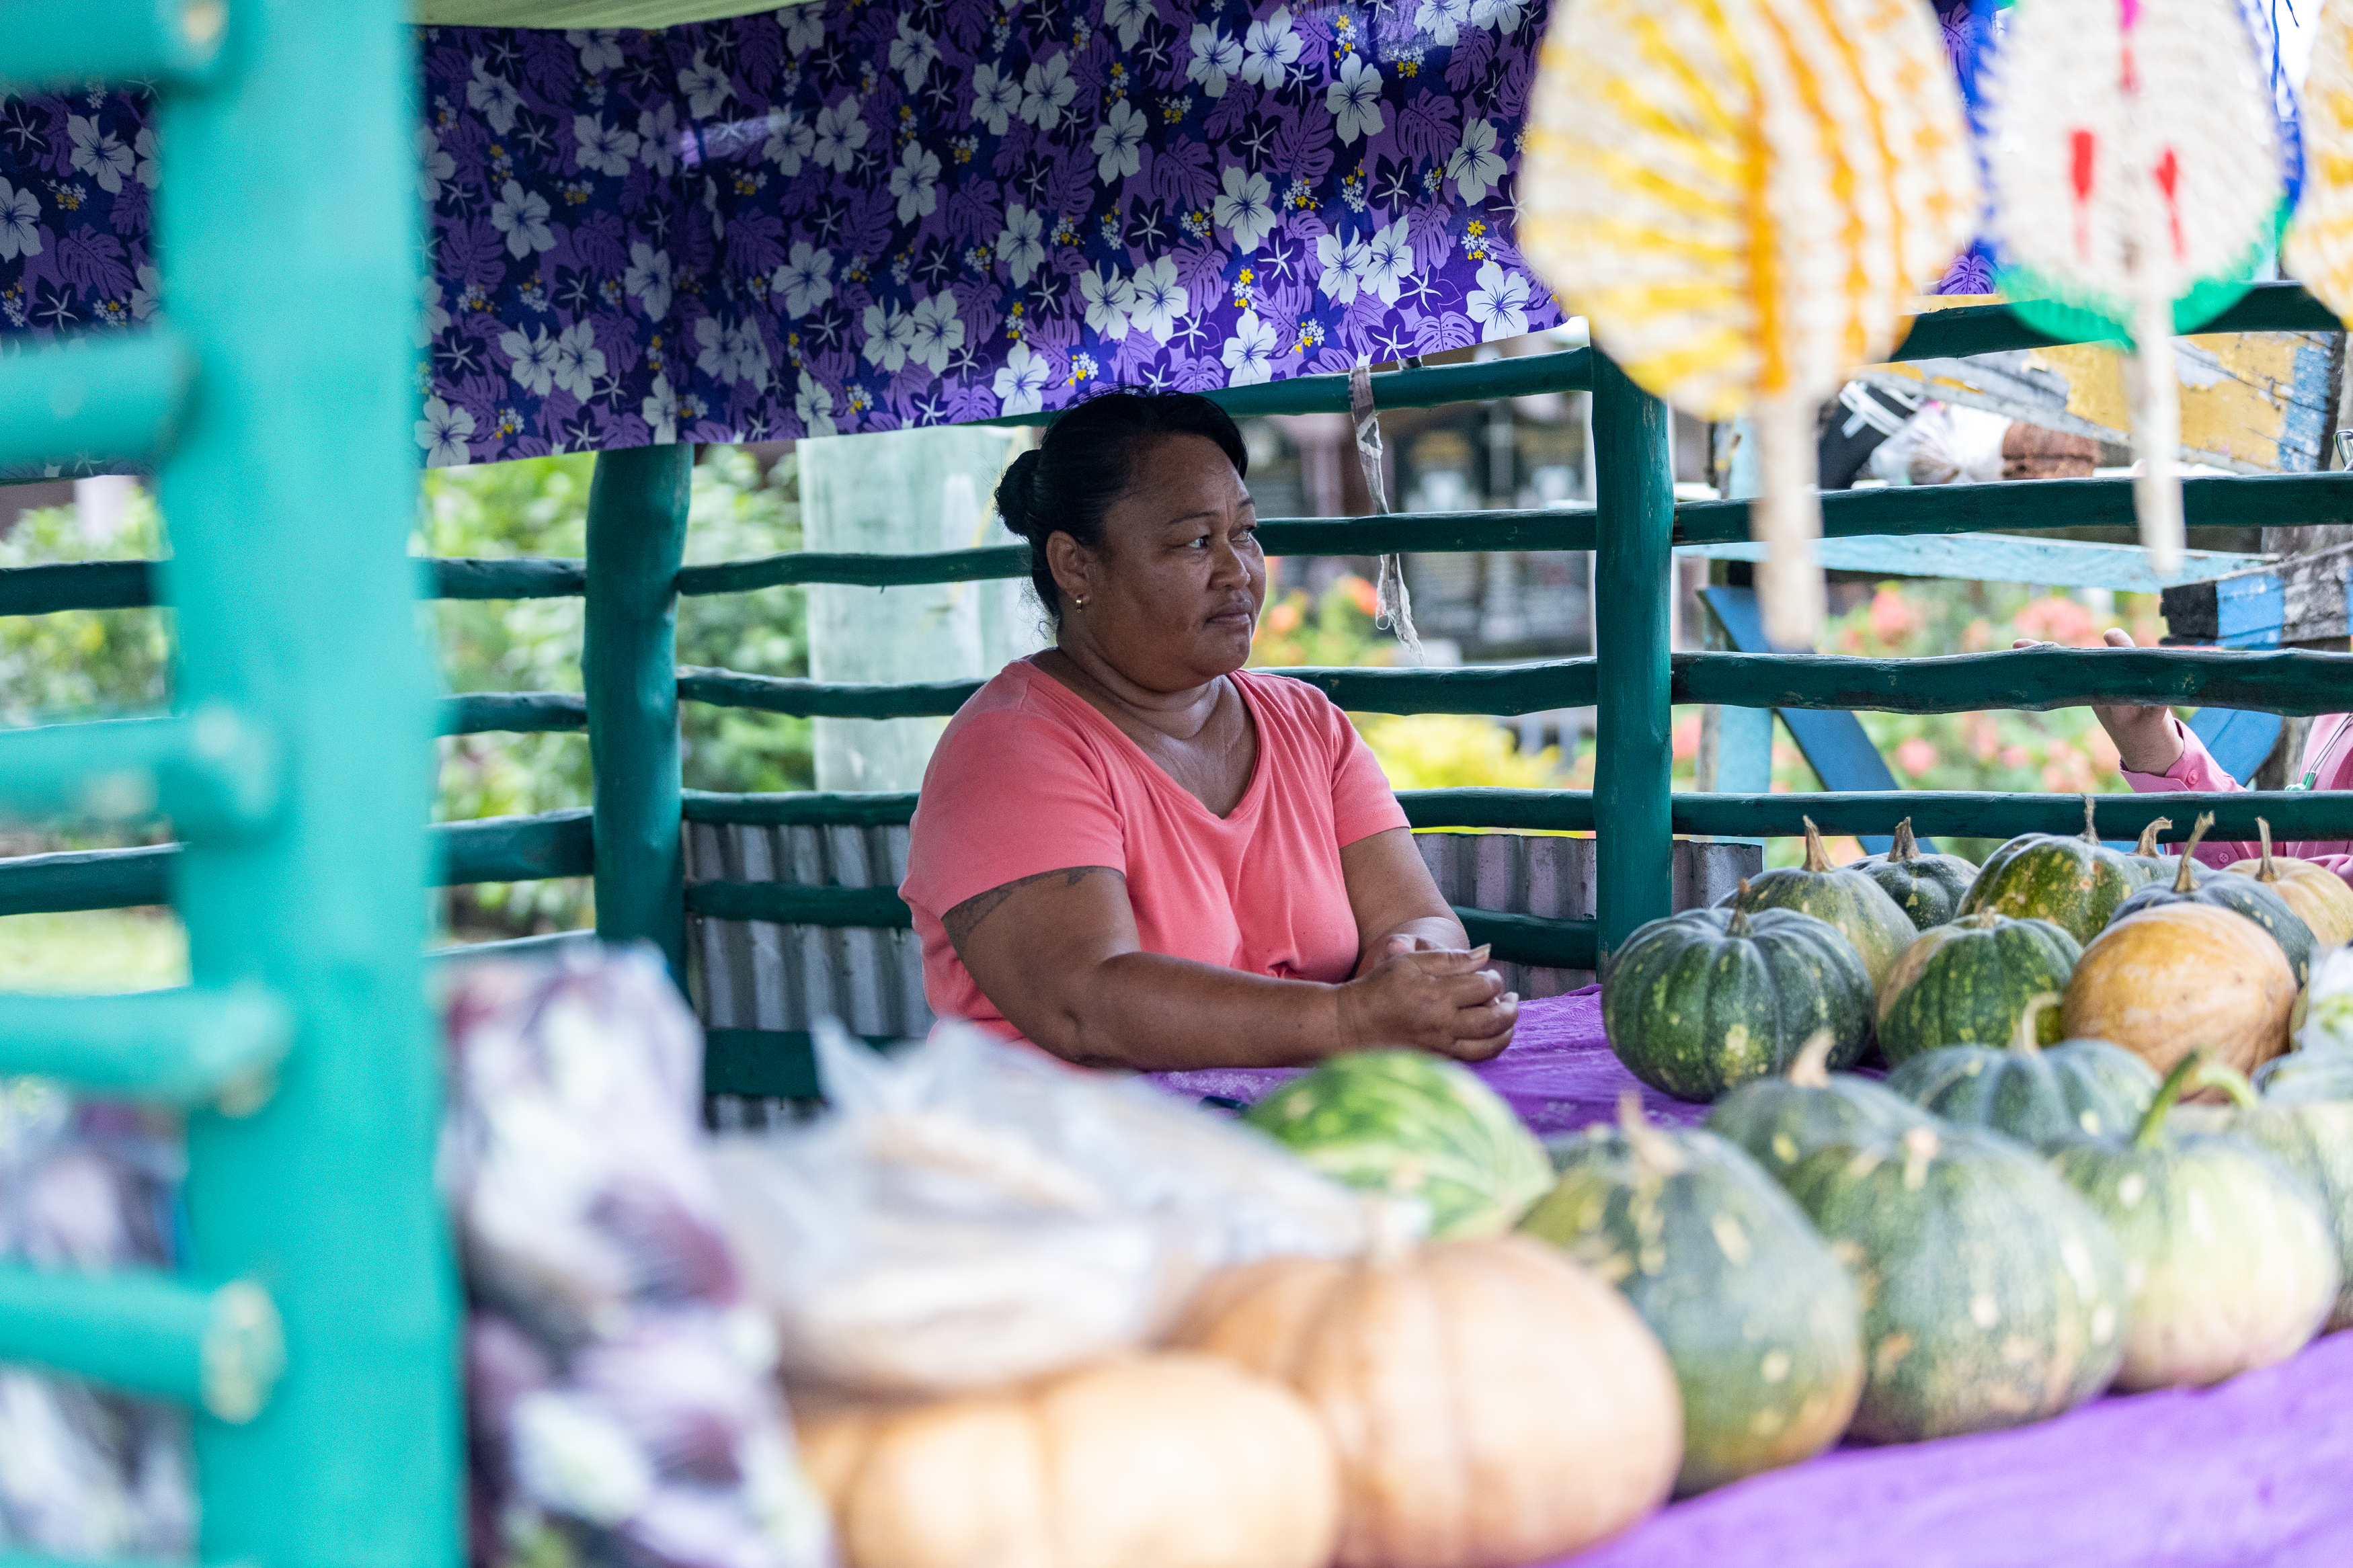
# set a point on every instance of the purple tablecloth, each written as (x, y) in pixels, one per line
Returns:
(2256, 1471)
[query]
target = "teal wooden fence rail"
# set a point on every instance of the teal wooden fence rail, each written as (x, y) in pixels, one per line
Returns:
(275, 411)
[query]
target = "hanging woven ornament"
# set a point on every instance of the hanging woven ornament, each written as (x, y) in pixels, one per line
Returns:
(1741, 197)
(2319, 250)
(2139, 163)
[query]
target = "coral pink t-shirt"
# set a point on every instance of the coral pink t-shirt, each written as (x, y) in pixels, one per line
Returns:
(1030, 778)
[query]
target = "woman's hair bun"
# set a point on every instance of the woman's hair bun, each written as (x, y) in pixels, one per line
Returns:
(1017, 496)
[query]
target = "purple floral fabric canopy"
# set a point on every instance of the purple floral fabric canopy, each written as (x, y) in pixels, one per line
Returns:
(850, 215)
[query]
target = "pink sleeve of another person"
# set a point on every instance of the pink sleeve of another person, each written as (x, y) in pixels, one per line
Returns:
(2196, 770)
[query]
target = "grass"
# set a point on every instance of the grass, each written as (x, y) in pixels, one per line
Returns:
(92, 952)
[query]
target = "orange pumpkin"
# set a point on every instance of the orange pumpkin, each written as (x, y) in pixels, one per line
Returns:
(1491, 1401)
(1140, 1461)
(2317, 895)
(2181, 977)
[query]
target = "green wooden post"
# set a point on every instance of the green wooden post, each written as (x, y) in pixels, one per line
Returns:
(292, 276)
(637, 537)
(1634, 501)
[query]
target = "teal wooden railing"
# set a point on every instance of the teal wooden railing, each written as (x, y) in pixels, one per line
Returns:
(275, 407)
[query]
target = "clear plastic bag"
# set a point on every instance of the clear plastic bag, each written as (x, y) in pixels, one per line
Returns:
(88, 1186)
(623, 1400)
(968, 1213)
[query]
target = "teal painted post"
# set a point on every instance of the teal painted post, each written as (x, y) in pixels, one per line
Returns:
(1634, 501)
(637, 537)
(291, 275)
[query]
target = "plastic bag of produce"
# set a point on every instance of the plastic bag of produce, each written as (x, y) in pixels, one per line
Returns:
(623, 1402)
(87, 1186)
(2328, 1004)
(968, 1213)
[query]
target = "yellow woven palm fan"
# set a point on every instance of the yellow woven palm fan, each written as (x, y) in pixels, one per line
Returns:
(2319, 249)
(1740, 197)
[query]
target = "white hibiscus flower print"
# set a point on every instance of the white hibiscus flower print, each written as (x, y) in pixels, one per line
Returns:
(20, 216)
(1246, 206)
(1111, 300)
(99, 153)
(1389, 262)
(915, 182)
(648, 277)
(1498, 15)
(151, 162)
(813, 405)
(1500, 303)
(1269, 49)
(841, 132)
(149, 293)
(495, 97)
(804, 279)
(534, 360)
(658, 138)
(1443, 20)
(1127, 17)
(1354, 100)
(1159, 300)
(599, 47)
(934, 332)
(889, 334)
(442, 433)
(1343, 264)
(660, 410)
(522, 216)
(1119, 141)
(1249, 352)
(996, 98)
(1046, 90)
(578, 361)
(1215, 59)
(732, 352)
(706, 87)
(1021, 381)
(790, 140)
(432, 316)
(1018, 244)
(804, 27)
(433, 165)
(1476, 167)
(911, 53)
(608, 151)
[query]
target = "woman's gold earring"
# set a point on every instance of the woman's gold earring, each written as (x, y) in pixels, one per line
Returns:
(1080, 602)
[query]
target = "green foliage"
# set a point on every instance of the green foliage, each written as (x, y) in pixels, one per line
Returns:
(91, 952)
(83, 664)
(540, 507)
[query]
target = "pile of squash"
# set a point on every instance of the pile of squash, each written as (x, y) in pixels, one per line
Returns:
(1456, 1396)
(2023, 1212)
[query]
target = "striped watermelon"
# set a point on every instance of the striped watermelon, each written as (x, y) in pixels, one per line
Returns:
(1417, 1128)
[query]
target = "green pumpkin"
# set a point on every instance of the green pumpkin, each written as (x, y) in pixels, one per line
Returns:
(2228, 1256)
(1758, 1319)
(2303, 1077)
(2159, 867)
(1928, 887)
(1972, 983)
(2312, 1137)
(1858, 907)
(1780, 1121)
(2034, 1093)
(2240, 895)
(2074, 881)
(1418, 1127)
(1992, 1294)
(1698, 1002)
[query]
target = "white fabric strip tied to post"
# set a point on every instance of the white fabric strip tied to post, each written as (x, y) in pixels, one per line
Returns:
(2139, 160)
(1742, 196)
(1392, 600)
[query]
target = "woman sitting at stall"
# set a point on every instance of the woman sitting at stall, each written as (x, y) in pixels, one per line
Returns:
(2158, 752)
(1135, 853)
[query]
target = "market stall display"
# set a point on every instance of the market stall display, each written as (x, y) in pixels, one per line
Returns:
(2074, 881)
(2248, 895)
(1926, 885)
(2317, 895)
(2034, 1092)
(1977, 981)
(1849, 899)
(2184, 974)
(2312, 1137)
